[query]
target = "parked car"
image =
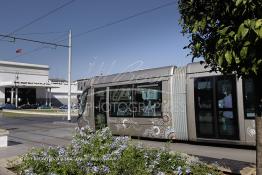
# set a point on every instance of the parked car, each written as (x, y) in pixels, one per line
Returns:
(44, 107)
(63, 107)
(28, 106)
(75, 106)
(7, 106)
(34, 106)
(25, 106)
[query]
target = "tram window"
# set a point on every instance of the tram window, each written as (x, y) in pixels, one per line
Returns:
(204, 90)
(148, 100)
(249, 98)
(215, 102)
(121, 101)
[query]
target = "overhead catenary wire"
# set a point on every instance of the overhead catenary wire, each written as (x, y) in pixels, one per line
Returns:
(39, 33)
(39, 18)
(107, 25)
(34, 41)
(123, 19)
(36, 49)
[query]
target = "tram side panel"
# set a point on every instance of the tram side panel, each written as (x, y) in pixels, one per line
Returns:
(147, 126)
(88, 115)
(179, 105)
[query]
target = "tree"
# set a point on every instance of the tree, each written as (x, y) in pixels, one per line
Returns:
(228, 35)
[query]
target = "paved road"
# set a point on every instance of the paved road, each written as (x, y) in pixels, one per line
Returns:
(27, 132)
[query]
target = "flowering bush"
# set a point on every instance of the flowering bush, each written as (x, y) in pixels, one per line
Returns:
(101, 153)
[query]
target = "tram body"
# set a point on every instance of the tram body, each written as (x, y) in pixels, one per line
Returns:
(182, 103)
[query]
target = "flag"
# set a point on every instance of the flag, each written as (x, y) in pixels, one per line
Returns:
(18, 51)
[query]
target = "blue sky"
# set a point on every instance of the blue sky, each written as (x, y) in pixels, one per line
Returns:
(151, 40)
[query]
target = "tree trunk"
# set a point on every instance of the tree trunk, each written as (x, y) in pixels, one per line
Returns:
(258, 93)
(259, 144)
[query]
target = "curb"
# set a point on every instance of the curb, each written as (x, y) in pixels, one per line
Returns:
(36, 113)
(4, 171)
(64, 123)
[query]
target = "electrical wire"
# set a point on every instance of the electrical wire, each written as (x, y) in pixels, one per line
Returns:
(123, 19)
(37, 48)
(34, 41)
(107, 25)
(39, 18)
(39, 33)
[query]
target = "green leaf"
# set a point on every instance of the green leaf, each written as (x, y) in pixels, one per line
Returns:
(237, 60)
(203, 23)
(254, 69)
(232, 33)
(238, 2)
(258, 23)
(243, 52)
(242, 31)
(195, 28)
(259, 33)
(247, 43)
(220, 60)
(224, 30)
(236, 37)
(197, 47)
(219, 41)
(228, 57)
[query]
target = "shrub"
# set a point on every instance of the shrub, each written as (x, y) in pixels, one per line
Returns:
(101, 153)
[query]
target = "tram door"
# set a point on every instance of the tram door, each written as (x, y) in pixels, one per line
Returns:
(100, 108)
(216, 107)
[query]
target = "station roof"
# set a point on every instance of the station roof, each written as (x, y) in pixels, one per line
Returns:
(18, 64)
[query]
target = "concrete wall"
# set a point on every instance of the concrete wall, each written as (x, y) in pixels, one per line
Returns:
(2, 95)
(11, 71)
(59, 95)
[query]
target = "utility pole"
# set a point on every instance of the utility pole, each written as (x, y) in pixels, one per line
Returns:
(69, 76)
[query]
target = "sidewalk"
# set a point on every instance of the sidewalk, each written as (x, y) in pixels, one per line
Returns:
(228, 159)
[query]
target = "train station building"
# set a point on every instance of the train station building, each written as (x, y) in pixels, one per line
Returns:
(23, 83)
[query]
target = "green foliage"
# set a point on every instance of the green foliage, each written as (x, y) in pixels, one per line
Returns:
(227, 34)
(101, 153)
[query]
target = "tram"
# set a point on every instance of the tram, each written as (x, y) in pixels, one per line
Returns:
(187, 103)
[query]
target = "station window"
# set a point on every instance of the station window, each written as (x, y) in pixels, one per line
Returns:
(249, 98)
(139, 100)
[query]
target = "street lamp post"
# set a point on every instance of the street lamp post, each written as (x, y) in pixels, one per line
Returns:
(69, 76)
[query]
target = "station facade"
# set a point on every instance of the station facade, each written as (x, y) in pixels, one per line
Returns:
(23, 83)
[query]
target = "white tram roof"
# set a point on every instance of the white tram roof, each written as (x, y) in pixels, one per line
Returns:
(196, 67)
(191, 68)
(130, 76)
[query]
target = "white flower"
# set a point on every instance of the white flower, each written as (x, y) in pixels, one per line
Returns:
(95, 169)
(160, 173)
